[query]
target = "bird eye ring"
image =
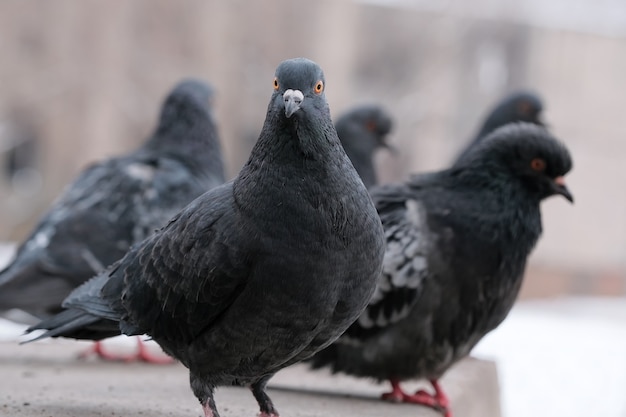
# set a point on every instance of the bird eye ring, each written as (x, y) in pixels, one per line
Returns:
(538, 164)
(524, 108)
(319, 87)
(275, 83)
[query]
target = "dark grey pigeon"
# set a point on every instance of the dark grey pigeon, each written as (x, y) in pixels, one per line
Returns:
(362, 130)
(457, 245)
(519, 106)
(257, 274)
(116, 203)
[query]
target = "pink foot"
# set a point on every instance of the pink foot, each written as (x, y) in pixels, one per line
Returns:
(422, 397)
(143, 354)
(438, 401)
(441, 397)
(396, 395)
(207, 410)
(264, 414)
(97, 349)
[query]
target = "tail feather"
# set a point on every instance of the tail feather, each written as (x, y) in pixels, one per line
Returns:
(26, 288)
(88, 298)
(76, 324)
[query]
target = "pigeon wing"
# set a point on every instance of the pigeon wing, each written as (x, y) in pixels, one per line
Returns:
(175, 284)
(405, 263)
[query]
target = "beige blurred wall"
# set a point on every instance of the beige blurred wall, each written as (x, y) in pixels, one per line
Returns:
(91, 75)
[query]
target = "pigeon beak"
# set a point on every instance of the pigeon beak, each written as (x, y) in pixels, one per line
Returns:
(561, 188)
(293, 100)
(392, 149)
(539, 121)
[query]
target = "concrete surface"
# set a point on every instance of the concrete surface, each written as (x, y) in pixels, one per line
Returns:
(45, 379)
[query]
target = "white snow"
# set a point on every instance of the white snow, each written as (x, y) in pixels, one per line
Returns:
(563, 357)
(7, 250)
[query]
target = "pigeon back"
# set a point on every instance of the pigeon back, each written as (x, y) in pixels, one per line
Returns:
(116, 203)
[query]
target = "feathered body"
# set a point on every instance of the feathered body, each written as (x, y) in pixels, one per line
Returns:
(457, 245)
(116, 203)
(256, 274)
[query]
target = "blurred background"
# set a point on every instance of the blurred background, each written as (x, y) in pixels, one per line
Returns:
(81, 81)
(84, 80)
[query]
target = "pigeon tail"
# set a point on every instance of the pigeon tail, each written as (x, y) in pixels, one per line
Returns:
(76, 324)
(24, 289)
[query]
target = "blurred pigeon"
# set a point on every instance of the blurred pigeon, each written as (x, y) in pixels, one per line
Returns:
(116, 203)
(457, 245)
(361, 131)
(257, 274)
(520, 106)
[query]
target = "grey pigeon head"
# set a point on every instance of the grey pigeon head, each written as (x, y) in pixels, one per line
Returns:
(186, 130)
(371, 117)
(298, 104)
(520, 106)
(362, 130)
(189, 97)
(527, 152)
(299, 88)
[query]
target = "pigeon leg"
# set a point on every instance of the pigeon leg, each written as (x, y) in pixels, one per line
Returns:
(396, 394)
(143, 354)
(440, 396)
(265, 403)
(204, 393)
(98, 350)
(209, 408)
(438, 401)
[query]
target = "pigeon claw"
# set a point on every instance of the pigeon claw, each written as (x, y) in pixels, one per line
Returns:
(393, 397)
(396, 395)
(438, 401)
(424, 398)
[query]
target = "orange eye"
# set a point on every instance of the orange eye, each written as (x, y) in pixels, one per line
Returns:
(319, 87)
(538, 164)
(524, 108)
(275, 83)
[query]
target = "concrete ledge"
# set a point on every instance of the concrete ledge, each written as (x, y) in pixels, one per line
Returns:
(46, 379)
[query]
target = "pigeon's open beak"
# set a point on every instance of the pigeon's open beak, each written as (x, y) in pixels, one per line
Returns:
(561, 188)
(293, 100)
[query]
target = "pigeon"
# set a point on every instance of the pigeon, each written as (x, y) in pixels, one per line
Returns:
(361, 131)
(116, 203)
(457, 245)
(519, 106)
(254, 275)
